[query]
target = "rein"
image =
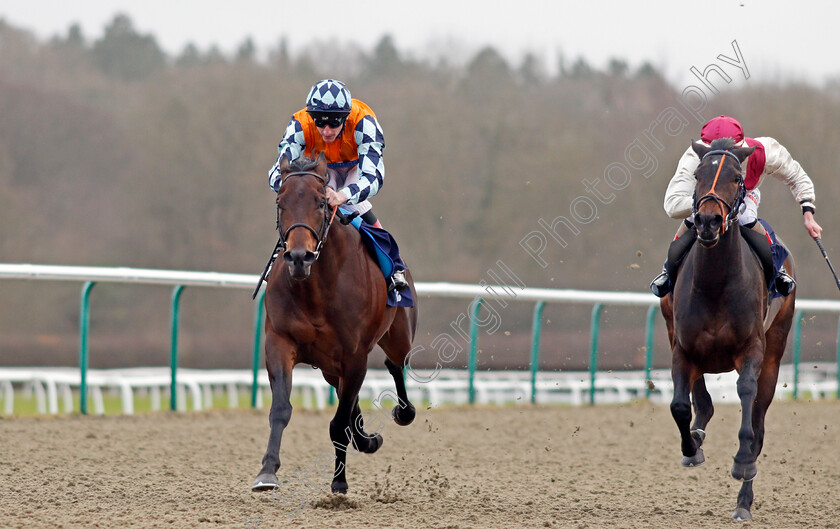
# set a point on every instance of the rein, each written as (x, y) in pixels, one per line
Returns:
(712, 194)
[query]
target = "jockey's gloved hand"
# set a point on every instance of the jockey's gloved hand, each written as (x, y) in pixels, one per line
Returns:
(749, 209)
(345, 218)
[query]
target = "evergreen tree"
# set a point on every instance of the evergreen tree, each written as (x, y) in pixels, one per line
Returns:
(126, 54)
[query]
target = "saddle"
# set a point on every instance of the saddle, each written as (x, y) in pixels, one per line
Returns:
(383, 248)
(771, 254)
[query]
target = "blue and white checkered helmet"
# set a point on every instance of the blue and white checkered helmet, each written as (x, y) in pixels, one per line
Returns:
(328, 95)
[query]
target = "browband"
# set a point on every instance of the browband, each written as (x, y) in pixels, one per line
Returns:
(721, 151)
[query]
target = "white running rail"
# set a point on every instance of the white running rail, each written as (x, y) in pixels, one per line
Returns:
(52, 387)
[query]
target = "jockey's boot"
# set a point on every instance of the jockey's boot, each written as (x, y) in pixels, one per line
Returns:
(661, 284)
(784, 283)
(398, 281)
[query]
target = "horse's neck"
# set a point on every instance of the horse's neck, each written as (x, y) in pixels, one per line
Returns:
(720, 265)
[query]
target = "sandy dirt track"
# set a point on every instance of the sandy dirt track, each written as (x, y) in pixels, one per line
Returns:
(607, 466)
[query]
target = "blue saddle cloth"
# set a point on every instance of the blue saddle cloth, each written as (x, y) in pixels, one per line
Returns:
(780, 253)
(382, 246)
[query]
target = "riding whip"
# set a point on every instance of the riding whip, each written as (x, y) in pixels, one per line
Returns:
(271, 260)
(819, 243)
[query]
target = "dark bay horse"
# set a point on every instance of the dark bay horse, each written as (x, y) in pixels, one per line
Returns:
(719, 318)
(325, 306)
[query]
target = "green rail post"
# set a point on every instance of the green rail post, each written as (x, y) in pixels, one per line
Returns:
(593, 351)
(258, 334)
(651, 321)
(797, 339)
(536, 327)
(84, 327)
(173, 349)
(473, 360)
(838, 359)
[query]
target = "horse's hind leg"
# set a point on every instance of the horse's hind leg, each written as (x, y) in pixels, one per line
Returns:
(279, 363)
(744, 467)
(365, 442)
(703, 411)
(397, 345)
(340, 428)
(766, 389)
(745, 501)
(684, 376)
(403, 412)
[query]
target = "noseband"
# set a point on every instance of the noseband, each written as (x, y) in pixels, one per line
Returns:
(712, 194)
(321, 236)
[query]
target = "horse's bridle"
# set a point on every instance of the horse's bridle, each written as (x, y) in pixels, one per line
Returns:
(321, 236)
(735, 207)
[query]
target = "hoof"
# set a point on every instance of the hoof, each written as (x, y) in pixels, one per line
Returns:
(265, 481)
(741, 515)
(744, 472)
(339, 487)
(373, 444)
(694, 461)
(403, 416)
(699, 436)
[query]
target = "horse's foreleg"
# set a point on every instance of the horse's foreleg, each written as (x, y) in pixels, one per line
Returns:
(279, 363)
(744, 467)
(683, 374)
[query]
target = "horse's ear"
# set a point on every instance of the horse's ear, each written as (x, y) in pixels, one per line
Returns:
(321, 167)
(699, 149)
(743, 152)
(284, 165)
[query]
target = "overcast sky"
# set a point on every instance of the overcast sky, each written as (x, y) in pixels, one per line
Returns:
(779, 40)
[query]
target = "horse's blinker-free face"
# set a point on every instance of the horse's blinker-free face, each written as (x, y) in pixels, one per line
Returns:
(718, 192)
(301, 214)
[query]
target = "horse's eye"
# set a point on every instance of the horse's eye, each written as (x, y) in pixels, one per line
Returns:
(322, 204)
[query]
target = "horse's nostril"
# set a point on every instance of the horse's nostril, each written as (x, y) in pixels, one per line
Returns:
(309, 258)
(296, 256)
(708, 221)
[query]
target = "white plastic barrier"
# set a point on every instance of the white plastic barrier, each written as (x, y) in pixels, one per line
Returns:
(53, 387)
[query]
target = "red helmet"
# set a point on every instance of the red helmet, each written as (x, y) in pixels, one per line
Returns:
(722, 127)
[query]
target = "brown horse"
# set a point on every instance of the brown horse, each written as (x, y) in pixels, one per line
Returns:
(328, 312)
(719, 318)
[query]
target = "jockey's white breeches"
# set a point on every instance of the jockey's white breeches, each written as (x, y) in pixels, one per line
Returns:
(342, 177)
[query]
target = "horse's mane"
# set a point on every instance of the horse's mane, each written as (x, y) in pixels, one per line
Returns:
(723, 144)
(303, 164)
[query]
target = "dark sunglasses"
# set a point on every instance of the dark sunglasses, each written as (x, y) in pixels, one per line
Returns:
(328, 121)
